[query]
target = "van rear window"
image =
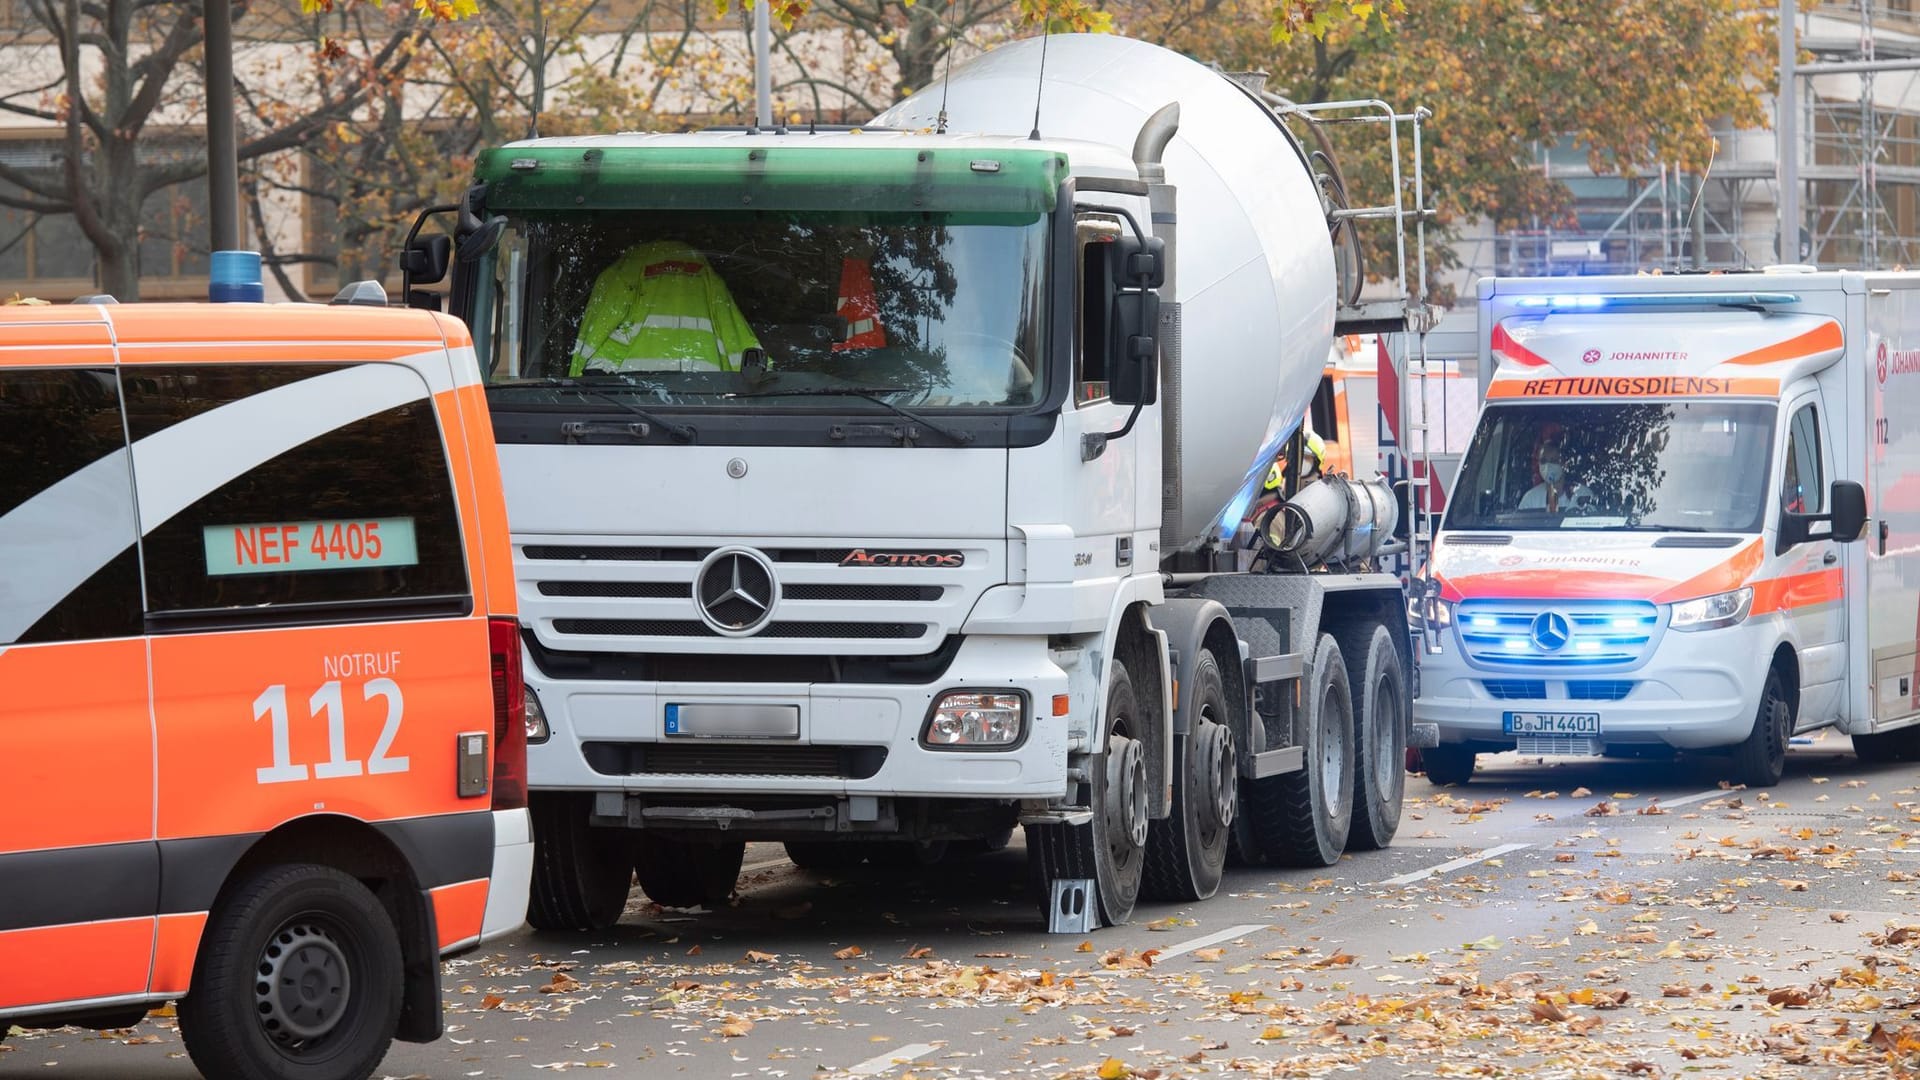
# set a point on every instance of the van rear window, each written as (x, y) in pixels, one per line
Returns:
(354, 506)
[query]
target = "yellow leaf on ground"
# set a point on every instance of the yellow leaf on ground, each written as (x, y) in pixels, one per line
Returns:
(1114, 1069)
(736, 1028)
(1208, 956)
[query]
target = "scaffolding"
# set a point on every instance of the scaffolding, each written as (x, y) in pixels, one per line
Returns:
(1857, 153)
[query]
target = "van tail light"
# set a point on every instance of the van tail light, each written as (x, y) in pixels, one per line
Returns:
(509, 716)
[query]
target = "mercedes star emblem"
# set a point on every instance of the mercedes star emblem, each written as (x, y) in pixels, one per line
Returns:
(736, 591)
(1551, 631)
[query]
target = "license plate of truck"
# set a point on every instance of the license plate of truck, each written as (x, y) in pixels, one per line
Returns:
(1552, 723)
(733, 721)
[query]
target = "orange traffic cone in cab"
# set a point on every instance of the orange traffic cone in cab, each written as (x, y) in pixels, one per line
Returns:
(860, 307)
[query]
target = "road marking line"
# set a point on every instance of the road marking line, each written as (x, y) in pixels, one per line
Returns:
(1688, 800)
(1228, 934)
(1455, 864)
(885, 1063)
(768, 865)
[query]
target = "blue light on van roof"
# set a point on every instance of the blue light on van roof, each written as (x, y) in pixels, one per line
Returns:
(234, 277)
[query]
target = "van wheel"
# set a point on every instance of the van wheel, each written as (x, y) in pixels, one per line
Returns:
(1902, 744)
(1187, 850)
(581, 875)
(1110, 849)
(1448, 764)
(678, 873)
(1761, 760)
(299, 976)
(1379, 683)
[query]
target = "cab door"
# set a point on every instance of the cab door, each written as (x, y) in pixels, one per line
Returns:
(1806, 585)
(79, 872)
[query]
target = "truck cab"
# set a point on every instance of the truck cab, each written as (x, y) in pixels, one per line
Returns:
(1654, 537)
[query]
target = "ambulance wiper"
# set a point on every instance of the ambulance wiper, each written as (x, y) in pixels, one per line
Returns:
(1653, 528)
(580, 385)
(872, 393)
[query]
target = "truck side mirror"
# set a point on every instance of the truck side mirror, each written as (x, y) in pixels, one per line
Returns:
(427, 259)
(1133, 375)
(1136, 263)
(1849, 502)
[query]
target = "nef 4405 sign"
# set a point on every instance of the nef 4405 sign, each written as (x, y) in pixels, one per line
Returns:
(280, 547)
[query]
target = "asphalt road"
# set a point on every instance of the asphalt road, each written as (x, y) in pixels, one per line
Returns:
(1617, 918)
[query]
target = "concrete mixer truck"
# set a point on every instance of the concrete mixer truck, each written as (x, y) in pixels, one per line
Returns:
(878, 491)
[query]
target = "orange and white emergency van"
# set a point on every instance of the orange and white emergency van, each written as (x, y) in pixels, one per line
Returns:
(1652, 539)
(262, 731)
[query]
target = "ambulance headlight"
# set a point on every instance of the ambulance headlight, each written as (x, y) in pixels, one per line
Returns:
(1712, 612)
(537, 730)
(976, 720)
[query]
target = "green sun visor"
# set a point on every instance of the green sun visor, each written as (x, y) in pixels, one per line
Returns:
(841, 179)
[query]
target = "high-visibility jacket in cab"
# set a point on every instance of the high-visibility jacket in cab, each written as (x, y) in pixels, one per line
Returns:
(661, 307)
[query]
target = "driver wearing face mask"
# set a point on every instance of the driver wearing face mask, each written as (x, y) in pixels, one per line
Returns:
(1554, 488)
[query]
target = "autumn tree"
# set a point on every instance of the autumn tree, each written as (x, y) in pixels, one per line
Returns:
(1630, 82)
(112, 75)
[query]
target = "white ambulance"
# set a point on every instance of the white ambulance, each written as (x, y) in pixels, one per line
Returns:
(1660, 535)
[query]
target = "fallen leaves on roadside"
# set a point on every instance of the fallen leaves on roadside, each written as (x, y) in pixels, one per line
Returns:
(737, 1027)
(1122, 960)
(851, 952)
(561, 983)
(1208, 956)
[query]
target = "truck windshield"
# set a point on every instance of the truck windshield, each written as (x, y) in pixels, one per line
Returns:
(1657, 467)
(706, 310)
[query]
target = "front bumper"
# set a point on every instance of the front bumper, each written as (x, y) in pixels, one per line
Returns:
(603, 729)
(1693, 692)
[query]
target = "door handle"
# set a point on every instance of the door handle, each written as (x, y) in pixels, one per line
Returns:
(1830, 558)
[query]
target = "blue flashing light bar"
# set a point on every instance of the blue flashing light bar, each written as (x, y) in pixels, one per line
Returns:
(1599, 301)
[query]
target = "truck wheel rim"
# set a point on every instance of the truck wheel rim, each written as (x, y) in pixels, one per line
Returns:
(1219, 775)
(1126, 795)
(1333, 755)
(303, 985)
(1386, 710)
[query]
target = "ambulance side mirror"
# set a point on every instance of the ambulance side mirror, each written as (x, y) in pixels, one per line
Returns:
(1849, 502)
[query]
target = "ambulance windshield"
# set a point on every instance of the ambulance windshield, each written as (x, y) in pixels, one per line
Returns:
(1687, 466)
(752, 310)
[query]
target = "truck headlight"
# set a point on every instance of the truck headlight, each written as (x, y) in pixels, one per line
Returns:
(1712, 612)
(976, 720)
(537, 730)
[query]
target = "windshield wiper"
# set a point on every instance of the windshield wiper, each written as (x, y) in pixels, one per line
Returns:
(872, 393)
(582, 386)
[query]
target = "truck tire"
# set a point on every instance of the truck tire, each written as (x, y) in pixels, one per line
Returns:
(1305, 817)
(683, 874)
(1901, 744)
(1449, 764)
(1111, 849)
(1187, 850)
(1761, 759)
(298, 976)
(1379, 682)
(581, 875)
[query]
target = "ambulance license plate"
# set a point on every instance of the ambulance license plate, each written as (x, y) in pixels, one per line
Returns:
(1551, 723)
(734, 721)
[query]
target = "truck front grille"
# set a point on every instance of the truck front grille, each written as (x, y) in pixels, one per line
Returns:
(721, 759)
(680, 590)
(1515, 689)
(688, 628)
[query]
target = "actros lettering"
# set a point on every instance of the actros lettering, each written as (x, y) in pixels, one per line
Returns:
(946, 560)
